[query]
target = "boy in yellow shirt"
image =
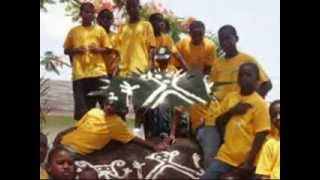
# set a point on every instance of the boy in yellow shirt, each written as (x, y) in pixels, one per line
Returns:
(198, 52)
(43, 153)
(105, 19)
(245, 117)
(135, 42)
(164, 40)
(86, 44)
(96, 129)
(268, 166)
(226, 70)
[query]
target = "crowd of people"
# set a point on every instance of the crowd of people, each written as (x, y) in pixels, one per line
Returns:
(237, 130)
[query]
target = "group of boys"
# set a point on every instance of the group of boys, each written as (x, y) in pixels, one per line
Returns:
(231, 128)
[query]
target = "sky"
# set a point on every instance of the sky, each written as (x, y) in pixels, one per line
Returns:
(257, 23)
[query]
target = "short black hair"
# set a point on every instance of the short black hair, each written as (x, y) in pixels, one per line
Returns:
(228, 28)
(197, 23)
(153, 16)
(86, 4)
(105, 12)
(55, 150)
(254, 67)
(275, 102)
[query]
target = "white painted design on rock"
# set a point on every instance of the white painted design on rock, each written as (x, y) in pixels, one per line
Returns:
(165, 161)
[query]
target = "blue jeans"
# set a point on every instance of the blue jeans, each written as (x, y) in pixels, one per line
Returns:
(216, 169)
(209, 139)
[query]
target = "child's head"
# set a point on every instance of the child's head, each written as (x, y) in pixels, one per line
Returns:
(133, 8)
(157, 21)
(105, 18)
(196, 31)
(274, 111)
(60, 164)
(162, 57)
(228, 38)
(43, 147)
(87, 11)
(166, 28)
(248, 77)
(88, 173)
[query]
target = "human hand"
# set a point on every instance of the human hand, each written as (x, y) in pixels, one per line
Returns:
(245, 168)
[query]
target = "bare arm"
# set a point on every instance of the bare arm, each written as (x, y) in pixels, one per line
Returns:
(59, 136)
(248, 165)
(181, 60)
(264, 88)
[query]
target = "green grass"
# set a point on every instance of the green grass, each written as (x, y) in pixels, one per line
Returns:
(58, 122)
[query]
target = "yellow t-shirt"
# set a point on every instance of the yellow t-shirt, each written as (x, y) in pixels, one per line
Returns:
(43, 173)
(197, 57)
(269, 160)
(95, 130)
(208, 111)
(111, 60)
(88, 64)
(165, 40)
(241, 130)
(134, 41)
(227, 71)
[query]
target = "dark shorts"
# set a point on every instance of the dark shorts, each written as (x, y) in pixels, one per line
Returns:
(82, 102)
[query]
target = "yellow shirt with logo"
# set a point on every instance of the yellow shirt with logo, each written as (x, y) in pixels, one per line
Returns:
(197, 57)
(95, 130)
(226, 70)
(241, 129)
(133, 42)
(88, 64)
(269, 160)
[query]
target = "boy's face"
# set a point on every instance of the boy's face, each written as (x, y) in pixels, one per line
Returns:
(87, 14)
(109, 108)
(62, 166)
(227, 41)
(132, 7)
(275, 115)
(43, 148)
(105, 20)
(197, 35)
(158, 23)
(247, 78)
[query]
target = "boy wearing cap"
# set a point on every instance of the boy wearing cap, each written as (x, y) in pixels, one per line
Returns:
(97, 128)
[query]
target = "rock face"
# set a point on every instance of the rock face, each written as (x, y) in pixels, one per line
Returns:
(117, 161)
(60, 97)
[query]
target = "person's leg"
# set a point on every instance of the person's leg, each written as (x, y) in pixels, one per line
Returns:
(209, 140)
(216, 169)
(93, 84)
(80, 107)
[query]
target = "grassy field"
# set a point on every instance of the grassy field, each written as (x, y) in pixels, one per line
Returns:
(55, 124)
